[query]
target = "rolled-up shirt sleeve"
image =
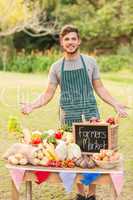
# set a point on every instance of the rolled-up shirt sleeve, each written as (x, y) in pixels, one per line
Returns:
(52, 76)
(96, 72)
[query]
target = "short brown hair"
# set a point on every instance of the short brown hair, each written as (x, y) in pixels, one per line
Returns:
(67, 29)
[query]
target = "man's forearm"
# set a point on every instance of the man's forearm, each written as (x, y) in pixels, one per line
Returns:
(105, 96)
(42, 100)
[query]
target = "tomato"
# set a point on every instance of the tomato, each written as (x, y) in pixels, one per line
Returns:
(110, 120)
(36, 140)
(58, 135)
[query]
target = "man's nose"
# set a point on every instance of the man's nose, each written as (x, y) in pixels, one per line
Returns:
(70, 41)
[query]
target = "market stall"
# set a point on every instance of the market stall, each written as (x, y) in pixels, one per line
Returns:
(107, 177)
(68, 157)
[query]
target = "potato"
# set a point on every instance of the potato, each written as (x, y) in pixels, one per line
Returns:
(13, 161)
(23, 161)
(10, 158)
(19, 156)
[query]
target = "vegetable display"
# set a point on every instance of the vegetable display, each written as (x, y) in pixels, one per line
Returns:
(54, 148)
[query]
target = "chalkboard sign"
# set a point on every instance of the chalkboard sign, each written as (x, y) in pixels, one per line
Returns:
(91, 138)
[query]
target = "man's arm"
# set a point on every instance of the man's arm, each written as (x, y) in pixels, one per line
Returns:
(43, 99)
(103, 93)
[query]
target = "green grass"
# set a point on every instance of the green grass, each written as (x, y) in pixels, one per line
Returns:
(121, 76)
(16, 88)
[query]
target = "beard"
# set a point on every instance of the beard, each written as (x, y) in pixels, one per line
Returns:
(71, 52)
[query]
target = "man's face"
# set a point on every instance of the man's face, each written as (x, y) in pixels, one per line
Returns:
(70, 42)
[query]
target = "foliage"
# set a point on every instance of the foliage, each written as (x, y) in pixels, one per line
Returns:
(13, 12)
(68, 1)
(32, 43)
(38, 61)
(29, 16)
(34, 62)
(1, 63)
(103, 24)
(113, 63)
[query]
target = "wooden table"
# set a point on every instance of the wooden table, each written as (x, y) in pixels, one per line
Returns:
(54, 177)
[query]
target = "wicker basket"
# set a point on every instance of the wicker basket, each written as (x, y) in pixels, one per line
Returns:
(108, 164)
(113, 136)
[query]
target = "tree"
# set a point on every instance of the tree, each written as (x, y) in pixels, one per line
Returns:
(102, 23)
(30, 16)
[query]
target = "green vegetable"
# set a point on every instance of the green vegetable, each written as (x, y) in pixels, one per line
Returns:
(44, 136)
(51, 139)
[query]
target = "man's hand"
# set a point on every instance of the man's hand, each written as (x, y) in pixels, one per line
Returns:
(121, 110)
(26, 108)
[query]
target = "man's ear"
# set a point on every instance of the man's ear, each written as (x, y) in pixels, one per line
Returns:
(80, 41)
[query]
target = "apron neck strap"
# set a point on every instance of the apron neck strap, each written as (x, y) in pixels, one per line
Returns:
(81, 57)
(63, 63)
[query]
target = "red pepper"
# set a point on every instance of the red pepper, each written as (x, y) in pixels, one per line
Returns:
(58, 135)
(36, 140)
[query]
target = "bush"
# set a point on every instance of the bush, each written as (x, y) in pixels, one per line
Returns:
(34, 62)
(1, 63)
(113, 62)
(21, 64)
(41, 62)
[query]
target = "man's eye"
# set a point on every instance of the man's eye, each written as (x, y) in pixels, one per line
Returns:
(66, 39)
(73, 39)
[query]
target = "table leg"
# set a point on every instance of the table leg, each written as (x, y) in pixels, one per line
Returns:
(28, 190)
(113, 193)
(15, 193)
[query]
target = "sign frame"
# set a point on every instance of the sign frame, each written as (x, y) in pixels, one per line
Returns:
(88, 124)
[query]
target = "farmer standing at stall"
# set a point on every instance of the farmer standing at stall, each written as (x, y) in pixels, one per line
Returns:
(77, 75)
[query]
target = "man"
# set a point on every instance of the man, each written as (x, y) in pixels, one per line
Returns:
(77, 75)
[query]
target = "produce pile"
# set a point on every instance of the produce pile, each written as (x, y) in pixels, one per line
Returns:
(50, 149)
(54, 148)
(107, 159)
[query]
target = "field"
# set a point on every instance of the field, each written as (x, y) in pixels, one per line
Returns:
(16, 88)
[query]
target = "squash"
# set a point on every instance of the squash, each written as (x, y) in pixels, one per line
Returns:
(74, 151)
(61, 150)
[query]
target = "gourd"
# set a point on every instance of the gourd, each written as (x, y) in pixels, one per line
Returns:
(74, 151)
(61, 150)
